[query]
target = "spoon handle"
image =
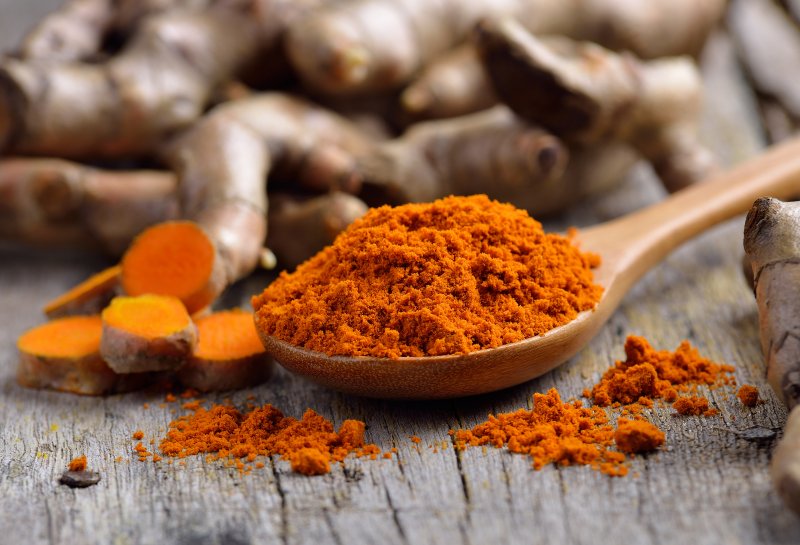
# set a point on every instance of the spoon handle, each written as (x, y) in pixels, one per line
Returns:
(639, 240)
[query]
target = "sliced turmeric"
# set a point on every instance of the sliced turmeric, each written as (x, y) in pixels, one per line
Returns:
(89, 297)
(146, 333)
(174, 258)
(229, 354)
(64, 355)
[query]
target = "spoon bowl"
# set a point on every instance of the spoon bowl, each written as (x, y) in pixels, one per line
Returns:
(629, 246)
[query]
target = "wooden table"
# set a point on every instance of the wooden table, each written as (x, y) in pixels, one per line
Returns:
(710, 483)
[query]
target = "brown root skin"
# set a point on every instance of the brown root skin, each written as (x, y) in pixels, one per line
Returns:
(488, 152)
(127, 106)
(51, 203)
(587, 94)
(89, 297)
(299, 228)
(772, 243)
(224, 161)
(785, 467)
(73, 32)
(128, 349)
(454, 84)
(370, 45)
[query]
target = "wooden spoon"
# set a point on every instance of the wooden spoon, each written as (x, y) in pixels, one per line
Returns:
(629, 247)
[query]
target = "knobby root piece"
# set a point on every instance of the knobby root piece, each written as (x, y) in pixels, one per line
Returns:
(489, 152)
(224, 161)
(89, 297)
(785, 468)
(64, 355)
(159, 84)
(57, 203)
(587, 94)
(229, 354)
(769, 46)
(178, 259)
(369, 45)
(453, 85)
(73, 32)
(146, 333)
(772, 242)
(299, 228)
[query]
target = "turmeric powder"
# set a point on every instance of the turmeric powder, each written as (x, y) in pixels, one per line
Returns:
(748, 395)
(224, 433)
(649, 374)
(634, 436)
(553, 432)
(449, 277)
(78, 464)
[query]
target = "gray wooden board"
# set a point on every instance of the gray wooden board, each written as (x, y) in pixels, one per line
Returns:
(709, 484)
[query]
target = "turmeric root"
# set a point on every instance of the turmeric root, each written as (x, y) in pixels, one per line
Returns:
(772, 243)
(587, 94)
(488, 152)
(229, 354)
(452, 85)
(370, 45)
(223, 163)
(89, 297)
(57, 203)
(64, 355)
(146, 333)
(299, 229)
(128, 105)
(177, 259)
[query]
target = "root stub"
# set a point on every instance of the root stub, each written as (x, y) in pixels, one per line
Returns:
(174, 258)
(229, 354)
(146, 333)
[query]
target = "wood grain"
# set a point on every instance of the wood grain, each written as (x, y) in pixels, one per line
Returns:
(709, 485)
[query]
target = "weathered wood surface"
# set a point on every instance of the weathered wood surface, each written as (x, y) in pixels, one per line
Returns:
(709, 485)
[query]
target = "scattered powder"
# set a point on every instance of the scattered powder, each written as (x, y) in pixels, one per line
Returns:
(78, 464)
(648, 374)
(415, 439)
(224, 433)
(553, 432)
(693, 406)
(748, 395)
(138, 435)
(450, 277)
(635, 436)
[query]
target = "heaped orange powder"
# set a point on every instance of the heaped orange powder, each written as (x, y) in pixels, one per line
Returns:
(553, 432)
(225, 433)
(693, 406)
(449, 277)
(648, 374)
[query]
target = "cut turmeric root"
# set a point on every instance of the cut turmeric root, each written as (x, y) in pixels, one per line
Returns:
(146, 333)
(64, 355)
(174, 258)
(229, 354)
(89, 297)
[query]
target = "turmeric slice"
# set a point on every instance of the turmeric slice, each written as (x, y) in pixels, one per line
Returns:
(89, 297)
(64, 355)
(229, 354)
(146, 333)
(174, 258)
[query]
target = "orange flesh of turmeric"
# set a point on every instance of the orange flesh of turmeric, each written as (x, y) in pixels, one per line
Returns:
(149, 316)
(95, 284)
(227, 335)
(172, 258)
(70, 337)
